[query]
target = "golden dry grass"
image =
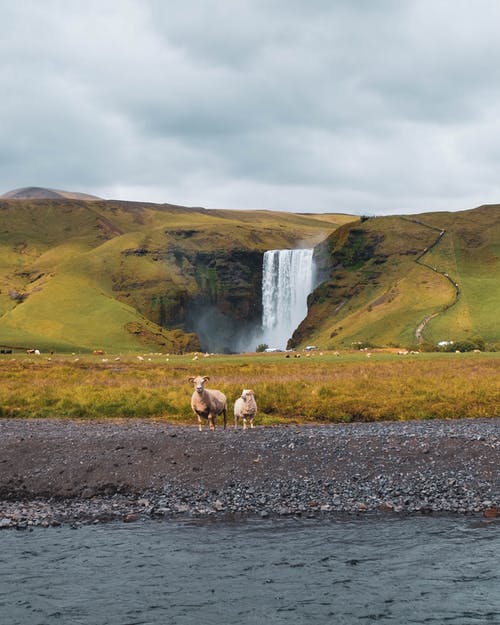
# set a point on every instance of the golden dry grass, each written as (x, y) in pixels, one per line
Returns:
(318, 388)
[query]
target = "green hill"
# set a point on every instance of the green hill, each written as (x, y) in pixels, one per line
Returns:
(408, 281)
(81, 275)
(121, 276)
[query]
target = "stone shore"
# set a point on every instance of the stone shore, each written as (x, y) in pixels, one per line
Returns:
(56, 472)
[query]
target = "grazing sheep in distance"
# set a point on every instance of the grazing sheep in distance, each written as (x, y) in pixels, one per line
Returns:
(246, 408)
(206, 403)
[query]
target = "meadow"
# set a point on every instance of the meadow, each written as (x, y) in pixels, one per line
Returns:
(315, 388)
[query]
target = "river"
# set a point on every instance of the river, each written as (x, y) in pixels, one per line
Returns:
(377, 569)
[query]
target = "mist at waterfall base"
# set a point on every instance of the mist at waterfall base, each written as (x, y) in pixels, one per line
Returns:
(288, 276)
(217, 332)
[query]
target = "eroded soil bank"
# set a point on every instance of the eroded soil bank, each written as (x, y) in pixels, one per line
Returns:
(55, 471)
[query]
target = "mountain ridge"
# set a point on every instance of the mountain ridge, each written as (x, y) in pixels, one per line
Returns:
(44, 193)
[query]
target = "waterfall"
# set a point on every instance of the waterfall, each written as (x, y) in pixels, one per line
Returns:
(287, 280)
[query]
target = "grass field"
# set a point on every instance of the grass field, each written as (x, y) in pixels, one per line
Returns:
(318, 388)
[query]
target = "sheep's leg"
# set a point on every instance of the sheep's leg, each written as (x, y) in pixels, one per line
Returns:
(211, 423)
(244, 423)
(251, 423)
(199, 423)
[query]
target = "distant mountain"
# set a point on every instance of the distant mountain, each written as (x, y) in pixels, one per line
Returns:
(41, 193)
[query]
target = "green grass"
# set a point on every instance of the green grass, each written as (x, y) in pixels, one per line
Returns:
(318, 388)
(383, 285)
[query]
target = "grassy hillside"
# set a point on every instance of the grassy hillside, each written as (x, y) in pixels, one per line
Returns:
(121, 276)
(78, 275)
(405, 281)
(470, 253)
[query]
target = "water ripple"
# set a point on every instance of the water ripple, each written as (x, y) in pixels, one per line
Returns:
(412, 571)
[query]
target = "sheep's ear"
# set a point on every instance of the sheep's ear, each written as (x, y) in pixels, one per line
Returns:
(206, 378)
(191, 379)
(253, 392)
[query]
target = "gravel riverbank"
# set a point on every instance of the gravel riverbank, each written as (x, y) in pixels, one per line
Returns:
(55, 471)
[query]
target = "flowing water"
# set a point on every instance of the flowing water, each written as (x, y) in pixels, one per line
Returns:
(384, 570)
(287, 280)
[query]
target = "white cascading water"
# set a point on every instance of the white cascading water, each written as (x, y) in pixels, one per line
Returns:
(287, 280)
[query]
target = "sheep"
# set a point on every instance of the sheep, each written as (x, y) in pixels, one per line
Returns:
(206, 403)
(246, 408)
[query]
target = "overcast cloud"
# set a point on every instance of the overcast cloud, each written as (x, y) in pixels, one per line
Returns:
(358, 106)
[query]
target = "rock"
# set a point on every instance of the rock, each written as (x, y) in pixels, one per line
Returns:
(283, 511)
(491, 513)
(386, 507)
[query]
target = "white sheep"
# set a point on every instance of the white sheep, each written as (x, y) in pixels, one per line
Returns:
(206, 403)
(246, 408)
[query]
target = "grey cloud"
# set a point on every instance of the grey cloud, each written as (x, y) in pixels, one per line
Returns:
(355, 106)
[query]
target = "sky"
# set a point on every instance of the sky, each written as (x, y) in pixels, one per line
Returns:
(369, 107)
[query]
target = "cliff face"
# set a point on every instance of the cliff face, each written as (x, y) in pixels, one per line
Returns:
(228, 302)
(216, 295)
(230, 280)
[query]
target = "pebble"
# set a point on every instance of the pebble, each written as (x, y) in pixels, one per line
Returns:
(397, 486)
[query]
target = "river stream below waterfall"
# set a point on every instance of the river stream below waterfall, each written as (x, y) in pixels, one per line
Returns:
(375, 569)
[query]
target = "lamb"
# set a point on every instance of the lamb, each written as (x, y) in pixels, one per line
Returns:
(246, 408)
(206, 403)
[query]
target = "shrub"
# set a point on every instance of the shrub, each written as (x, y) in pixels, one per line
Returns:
(467, 345)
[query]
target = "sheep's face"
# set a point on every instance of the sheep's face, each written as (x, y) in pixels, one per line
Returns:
(246, 394)
(199, 383)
